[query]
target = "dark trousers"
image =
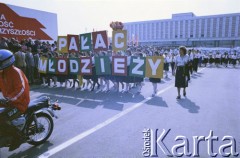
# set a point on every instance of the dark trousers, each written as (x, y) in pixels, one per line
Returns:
(187, 71)
(195, 64)
(30, 74)
(172, 66)
(190, 66)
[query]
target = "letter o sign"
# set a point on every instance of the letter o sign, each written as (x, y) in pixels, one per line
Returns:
(62, 66)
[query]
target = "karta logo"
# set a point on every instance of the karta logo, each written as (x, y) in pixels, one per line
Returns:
(188, 147)
(13, 25)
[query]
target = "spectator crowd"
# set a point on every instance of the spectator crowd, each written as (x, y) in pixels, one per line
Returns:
(28, 52)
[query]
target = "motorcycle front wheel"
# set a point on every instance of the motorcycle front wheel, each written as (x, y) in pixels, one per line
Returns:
(39, 133)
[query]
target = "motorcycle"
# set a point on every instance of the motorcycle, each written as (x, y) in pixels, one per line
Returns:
(36, 123)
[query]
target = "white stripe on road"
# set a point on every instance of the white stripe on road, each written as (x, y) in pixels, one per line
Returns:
(97, 127)
(64, 96)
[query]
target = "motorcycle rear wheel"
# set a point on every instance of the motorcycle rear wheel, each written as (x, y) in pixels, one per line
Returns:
(40, 135)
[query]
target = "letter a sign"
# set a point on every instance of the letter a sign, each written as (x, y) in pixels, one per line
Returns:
(100, 41)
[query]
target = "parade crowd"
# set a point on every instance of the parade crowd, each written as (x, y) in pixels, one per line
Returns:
(180, 62)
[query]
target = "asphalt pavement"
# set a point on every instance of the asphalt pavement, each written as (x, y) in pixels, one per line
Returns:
(110, 125)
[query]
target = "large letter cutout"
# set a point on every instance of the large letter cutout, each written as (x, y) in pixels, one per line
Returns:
(137, 66)
(86, 66)
(62, 44)
(119, 40)
(100, 41)
(102, 65)
(154, 67)
(85, 42)
(73, 43)
(119, 65)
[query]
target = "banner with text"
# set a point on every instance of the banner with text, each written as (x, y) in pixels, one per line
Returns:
(139, 66)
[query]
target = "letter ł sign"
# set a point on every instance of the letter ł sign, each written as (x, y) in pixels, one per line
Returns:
(85, 42)
(52, 65)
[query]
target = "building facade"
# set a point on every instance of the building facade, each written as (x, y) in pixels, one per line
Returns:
(187, 29)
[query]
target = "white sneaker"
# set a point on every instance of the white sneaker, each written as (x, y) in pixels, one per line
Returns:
(44, 85)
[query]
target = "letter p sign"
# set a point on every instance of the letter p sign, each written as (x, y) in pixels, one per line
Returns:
(62, 44)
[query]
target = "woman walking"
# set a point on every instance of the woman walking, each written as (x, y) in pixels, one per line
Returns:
(180, 76)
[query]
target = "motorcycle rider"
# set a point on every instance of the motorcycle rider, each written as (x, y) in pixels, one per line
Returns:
(15, 89)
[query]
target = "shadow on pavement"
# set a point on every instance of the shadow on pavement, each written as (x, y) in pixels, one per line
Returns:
(168, 79)
(86, 99)
(198, 74)
(162, 81)
(33, 151)
(114, 106)
(157, 101)
(188, 104)
(89, 104)
(116, 101)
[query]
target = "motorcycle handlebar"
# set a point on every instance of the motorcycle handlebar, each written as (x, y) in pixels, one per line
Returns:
(56, 107)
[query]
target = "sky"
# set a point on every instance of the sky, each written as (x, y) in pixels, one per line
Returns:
(81, 16)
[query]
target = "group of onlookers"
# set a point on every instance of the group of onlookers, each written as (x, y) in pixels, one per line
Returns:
(28, 52)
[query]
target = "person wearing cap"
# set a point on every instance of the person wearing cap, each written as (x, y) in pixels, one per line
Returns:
(180, 75)
(15, 90)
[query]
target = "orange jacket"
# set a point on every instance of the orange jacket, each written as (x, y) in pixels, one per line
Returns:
(14, 87)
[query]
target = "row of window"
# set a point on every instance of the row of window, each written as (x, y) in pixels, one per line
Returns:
(211, 27)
